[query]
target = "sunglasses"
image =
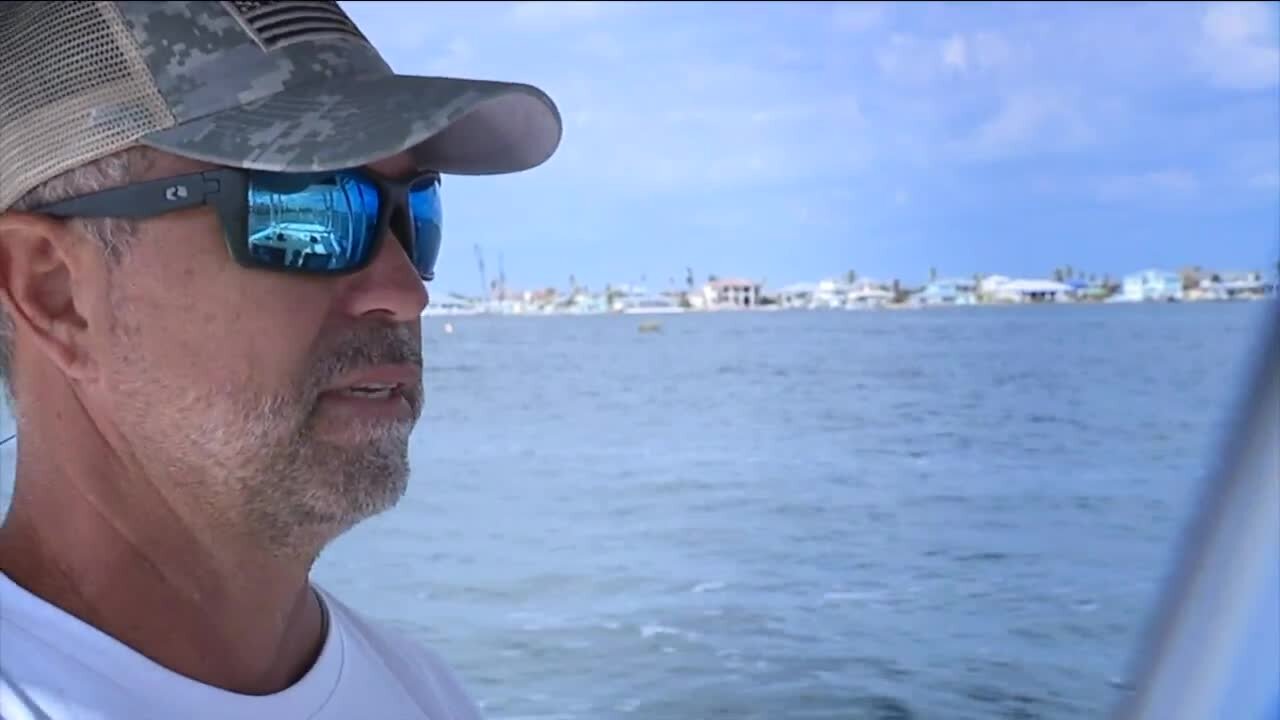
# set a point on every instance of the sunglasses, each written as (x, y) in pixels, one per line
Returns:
(324, 223)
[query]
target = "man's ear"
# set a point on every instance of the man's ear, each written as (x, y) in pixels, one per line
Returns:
(48, 279)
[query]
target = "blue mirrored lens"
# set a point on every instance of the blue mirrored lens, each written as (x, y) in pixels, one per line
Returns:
(319, 223)
(424, 206)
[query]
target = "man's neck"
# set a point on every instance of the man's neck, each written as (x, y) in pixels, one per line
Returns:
(215, 609)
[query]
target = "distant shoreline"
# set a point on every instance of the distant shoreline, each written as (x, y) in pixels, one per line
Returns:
(901, 307)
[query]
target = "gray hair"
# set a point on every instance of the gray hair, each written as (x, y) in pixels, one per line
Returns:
(112, 234)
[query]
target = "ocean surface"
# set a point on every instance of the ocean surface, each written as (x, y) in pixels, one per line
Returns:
(951, 514)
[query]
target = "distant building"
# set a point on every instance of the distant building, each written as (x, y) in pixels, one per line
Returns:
(797, 295)
(582, 303)
(1232, 286)
(646, 304)
(733, 293)
(989, 286)
(831, 294)
(1033, 291)
(866, 293)
(1152, 286)
(952, 291)
(1095, 290)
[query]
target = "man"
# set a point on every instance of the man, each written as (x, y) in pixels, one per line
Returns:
(197, 416)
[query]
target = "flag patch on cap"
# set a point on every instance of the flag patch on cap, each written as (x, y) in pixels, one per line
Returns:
(276, 24)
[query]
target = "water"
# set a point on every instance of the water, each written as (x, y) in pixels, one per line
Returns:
(947, 514)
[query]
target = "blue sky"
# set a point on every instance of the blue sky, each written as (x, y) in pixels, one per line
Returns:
(791, 142)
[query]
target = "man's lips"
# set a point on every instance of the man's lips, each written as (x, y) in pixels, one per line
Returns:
(392, 376)
(381, 382)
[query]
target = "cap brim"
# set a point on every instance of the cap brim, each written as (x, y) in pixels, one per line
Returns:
(453, 126)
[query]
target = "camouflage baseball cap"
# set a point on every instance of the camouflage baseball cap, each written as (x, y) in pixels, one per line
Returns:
(286, 86)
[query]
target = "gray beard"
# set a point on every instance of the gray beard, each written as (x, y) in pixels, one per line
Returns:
(254, 465)
(262, 473)
(304, 486)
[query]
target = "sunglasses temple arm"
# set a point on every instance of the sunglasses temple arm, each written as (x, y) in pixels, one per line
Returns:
(143, 200)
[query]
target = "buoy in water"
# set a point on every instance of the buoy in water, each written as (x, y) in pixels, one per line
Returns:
(448, 328)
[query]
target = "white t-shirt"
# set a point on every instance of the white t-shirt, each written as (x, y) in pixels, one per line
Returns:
(55, 667)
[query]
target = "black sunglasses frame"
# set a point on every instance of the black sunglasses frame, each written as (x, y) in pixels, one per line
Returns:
(227, 191)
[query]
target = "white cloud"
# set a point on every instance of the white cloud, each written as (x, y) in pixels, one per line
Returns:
(984, 51)
(839, 109)
(906, 58)
(677, 143)
(857, 16)
(546, 15)
(955, 52)
(402, 28)
(1266, 180)
(376, 21)
(989, 49)
(1237, 47)
(1163, 182)
(1029, 122)
(602, 46)
(719, 219)
(457, 54)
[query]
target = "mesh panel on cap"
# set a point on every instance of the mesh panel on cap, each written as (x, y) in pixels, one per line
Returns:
(72, 89)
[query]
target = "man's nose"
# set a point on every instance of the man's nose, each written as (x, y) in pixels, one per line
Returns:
(389, 285)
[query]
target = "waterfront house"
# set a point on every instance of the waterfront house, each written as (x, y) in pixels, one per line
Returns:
(831, 294)
(868, 294)
(1033, 291)
(625, 295)
(584, 303)
(1247, 286)
(1152, 286)
(950, 291)
(796, 295)
(989, 286)
(1232, 286)
(1206, 290)
(646, 304)
(1094, 290)
(453, 306)
(732, 293)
